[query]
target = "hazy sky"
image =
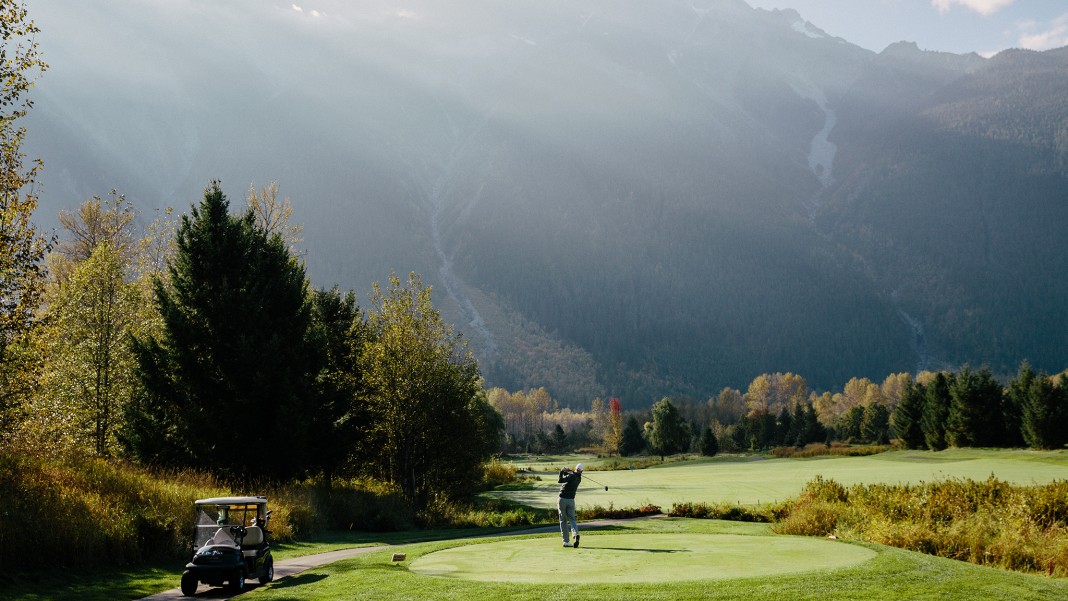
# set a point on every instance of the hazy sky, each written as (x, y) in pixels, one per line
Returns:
(983, 26)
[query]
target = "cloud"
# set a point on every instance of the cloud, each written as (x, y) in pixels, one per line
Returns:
(1035, 37)
(300, 9)
(983, 7)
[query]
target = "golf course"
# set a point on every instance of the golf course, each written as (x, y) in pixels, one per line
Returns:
(752, 480)
(648, 558)
(678, 558)
(665, 558)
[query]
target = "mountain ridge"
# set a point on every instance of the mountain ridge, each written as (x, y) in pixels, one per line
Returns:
(612, 199)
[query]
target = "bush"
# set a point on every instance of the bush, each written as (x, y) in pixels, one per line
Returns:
(988, 523)
(723, 511)
(599, 512)
(838, 449)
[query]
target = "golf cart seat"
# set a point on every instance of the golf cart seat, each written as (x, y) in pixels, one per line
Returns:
(253, 537)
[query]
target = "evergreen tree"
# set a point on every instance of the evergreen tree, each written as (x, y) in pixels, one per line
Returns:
(669, 434)
(1044, 411)
(558, 439)
(786, 432)
(632, 440)
(338, 331)
(975, 418)
(935, 412)
(812, 430)
(849, 425)
(908, 416)
(229, 379)
(875, 424)
(709, 445)
(1013, 405)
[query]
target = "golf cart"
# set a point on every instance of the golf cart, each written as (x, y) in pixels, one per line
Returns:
(229, 544)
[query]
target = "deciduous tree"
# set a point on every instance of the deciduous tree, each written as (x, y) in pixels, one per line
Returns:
(22, 247)
(89, 374)
(427, 430)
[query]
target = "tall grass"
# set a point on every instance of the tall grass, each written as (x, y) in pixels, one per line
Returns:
(992, 523)
(835, 449)
(80, 511)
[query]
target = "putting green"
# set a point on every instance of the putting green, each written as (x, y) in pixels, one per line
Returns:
(639, 558)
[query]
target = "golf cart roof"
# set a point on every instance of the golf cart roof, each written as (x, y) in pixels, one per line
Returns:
(232, 501)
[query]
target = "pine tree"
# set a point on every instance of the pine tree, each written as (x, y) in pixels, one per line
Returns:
(1044, 411)
(908, 416)
(558, 439)
(813, 430)
(935, 412)
(229, 380)
(875, 424)
(975, 418)
(709, 445)
(1016, 398)
(338, 332)
(632, 440)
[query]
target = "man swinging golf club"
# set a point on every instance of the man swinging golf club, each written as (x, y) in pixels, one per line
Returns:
(569, 483)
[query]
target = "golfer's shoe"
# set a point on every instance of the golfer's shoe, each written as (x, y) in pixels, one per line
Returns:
(568, 545)
(576, 541)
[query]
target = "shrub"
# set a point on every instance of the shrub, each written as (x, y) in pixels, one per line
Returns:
(723, 511)
(985, 522)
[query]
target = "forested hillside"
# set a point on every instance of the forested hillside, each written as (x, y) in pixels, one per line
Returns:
(611, 199)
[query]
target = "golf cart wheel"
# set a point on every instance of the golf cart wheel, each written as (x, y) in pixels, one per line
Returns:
(237, 583)
(189, 584)
(268, 571)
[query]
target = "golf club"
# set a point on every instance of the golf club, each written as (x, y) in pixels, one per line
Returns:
(595, 482)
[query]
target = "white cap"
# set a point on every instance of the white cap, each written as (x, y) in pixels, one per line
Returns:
(578, 468)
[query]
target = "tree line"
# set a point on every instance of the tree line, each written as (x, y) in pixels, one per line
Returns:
(933, 410)
(199, 343)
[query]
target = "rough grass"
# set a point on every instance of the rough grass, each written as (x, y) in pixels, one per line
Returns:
(990, 523)
(819, 449)
(79, 511)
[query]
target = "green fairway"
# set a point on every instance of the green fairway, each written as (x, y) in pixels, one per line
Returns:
(630, 558)
(754, 480)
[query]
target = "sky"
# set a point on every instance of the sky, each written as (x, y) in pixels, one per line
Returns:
(959, 26)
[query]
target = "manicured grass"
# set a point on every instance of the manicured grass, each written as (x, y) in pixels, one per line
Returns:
(644, 557)
(888, 574)
(754, 480)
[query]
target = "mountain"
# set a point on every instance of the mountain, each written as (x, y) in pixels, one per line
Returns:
(624, 198)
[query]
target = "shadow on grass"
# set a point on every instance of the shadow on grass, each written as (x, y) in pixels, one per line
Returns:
(639, 550)
(298, 580)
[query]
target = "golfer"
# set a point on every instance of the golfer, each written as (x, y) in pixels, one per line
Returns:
(569, 483)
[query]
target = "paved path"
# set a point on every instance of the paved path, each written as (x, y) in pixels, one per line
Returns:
(290, 567)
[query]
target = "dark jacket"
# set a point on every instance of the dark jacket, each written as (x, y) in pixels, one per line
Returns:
(569, 483)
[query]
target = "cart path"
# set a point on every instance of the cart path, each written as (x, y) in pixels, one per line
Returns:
(296, 565)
